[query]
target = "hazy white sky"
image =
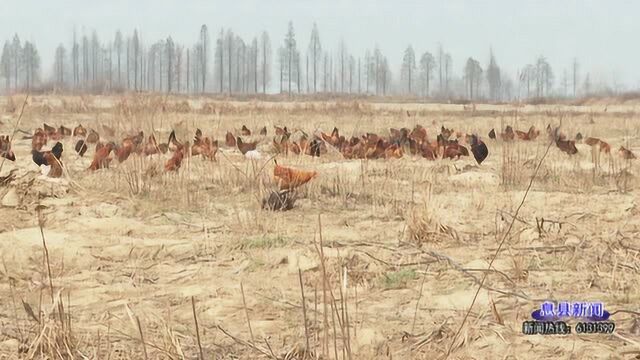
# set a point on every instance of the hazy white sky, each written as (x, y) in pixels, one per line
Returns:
(603, 35)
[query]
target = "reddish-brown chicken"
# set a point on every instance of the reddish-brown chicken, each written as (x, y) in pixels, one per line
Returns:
(80, 131)
(454, 150)
(289, 178)
(102, 158)
(530, 135)
(93, 137)
(567, 146)
(64, 131)
(419, 133)
(203, 145)
(152, 147)
(626, 153)
(508, 134)
(282, 131)
(244, 147)
(394, 151)
(5, 148)
(38, 140)
(230, 140)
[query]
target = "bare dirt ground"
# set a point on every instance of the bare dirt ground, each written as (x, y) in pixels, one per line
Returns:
(406, 242)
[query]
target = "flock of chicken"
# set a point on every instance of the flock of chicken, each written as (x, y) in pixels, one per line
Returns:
(373, 146)
(561, 141)
(448, 144)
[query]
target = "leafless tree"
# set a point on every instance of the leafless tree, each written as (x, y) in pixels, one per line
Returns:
(254, 67)
(441, 67)
(219, 60)
(352, 66)
(367, 69)
(325, 79)
(178, 68)
(5, 65)
(170, 51)
(85, 59)
(75, 60)
(448, 67)
(427, 64)
(544, 78)
(95, 56)
(342, 53)
(385, 74)
(204, 54)
(408, 67)
(117, 44)
(377, 55)
(575, 77)
(32, 64)
(290, 47)
(230, 46)
(136, 58)
(58, 65)
(587, 85)
(315, 48)
(472, 75)
(282, 60)
(359, 73)
(527, 76)
(493, 77)
(266, 64)
(188, 63)
(240, 49)
(306, 72)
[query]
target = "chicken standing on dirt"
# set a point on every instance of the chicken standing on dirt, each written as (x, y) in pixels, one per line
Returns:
(81, 147)
(454, 150)
(50, 159)
(567, 146)
(479, 149)
(101, 158)
(626, 153)
(80, 131)
(152, 147)
(289, 178)
(39, 139)
(5, 148)
(175, 162)
(244, 146)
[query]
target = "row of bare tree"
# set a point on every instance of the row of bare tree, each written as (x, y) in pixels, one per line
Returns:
(244, 67)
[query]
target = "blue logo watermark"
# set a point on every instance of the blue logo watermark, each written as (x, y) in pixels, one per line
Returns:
(588, 311)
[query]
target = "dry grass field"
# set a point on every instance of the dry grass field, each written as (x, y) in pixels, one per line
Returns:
(378, 258)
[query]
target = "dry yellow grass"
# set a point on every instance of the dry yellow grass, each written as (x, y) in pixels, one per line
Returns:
(404, 242)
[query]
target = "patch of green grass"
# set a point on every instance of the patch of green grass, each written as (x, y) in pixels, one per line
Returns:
(255, 264)
(264, 242)
(398, 279)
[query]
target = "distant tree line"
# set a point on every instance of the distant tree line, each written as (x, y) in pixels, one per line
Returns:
(127, 62)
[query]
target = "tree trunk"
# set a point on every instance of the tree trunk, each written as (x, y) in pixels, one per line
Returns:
(289, 69)
(306, 73)
(230, 55)
(428, 78)
(359, 72)
(315, 67)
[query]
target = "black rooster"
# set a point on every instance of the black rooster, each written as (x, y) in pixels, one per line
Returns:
(39, 157)
(479, 149)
